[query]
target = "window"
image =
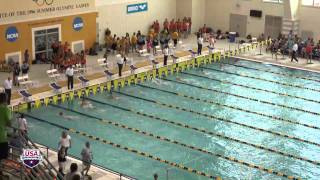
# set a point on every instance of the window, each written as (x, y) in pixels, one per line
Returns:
(273, 1)
(315, 3)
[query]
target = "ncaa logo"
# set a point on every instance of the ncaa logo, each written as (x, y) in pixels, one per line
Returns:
(78, 24)
(31, 157)
(12, 34)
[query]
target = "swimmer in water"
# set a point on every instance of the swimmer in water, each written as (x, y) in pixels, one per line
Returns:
(204, 72)
(86, 104)
(66, 116)
(113, 96)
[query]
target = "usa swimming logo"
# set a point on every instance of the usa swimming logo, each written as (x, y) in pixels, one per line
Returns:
(43, 2)
(12, 34)
(31, 157)
(78, 24)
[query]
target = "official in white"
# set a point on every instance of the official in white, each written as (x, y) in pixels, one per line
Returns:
(70, 73)
(7, 87)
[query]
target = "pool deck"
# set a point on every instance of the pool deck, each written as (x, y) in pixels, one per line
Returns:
(96, 76)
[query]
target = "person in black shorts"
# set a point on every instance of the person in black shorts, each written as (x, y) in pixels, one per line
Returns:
(5, 121)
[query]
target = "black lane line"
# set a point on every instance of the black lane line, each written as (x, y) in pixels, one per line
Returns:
(272, 72)
(104, 141)
(218, 134)
(250, 87)
(162, 138)
(245, 97)
(262, 79)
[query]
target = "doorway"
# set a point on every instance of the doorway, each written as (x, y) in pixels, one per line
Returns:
(238, 23)
(42, 40)
(273, 26)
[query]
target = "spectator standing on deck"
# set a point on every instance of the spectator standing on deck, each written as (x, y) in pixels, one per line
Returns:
(120, 62)
(200, 43)
(5, 121)
(69, 73)
(73, 172)
(8, 87)
(309, 50)
(22, 125)
(25, 68)
(294, 52)
(166, 54)
(26, 56)
(65, 142)
(87, 157)
(16, 73)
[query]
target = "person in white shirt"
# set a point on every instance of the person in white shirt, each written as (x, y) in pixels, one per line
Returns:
(120, 62)
(166, 54)
(65, 141)
(200, 43)
(7, 87)
(69, 73)
(294, 52)
(23, 125)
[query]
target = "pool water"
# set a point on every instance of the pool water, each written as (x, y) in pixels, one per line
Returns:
(234, 109)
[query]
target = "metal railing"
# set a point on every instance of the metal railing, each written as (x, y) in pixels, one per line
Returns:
(44, 171)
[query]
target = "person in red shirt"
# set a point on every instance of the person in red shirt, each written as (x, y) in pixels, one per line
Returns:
(179, 26)
(185, 28)
(309, 49)
(156, 27)
(172, 26)
(166, 24)
(190, 25)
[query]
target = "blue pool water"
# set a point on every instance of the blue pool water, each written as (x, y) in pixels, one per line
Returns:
(220, 98)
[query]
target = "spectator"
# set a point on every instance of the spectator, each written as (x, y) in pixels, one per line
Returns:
(165, 24)
(16, 73)
(8, 87)
(200, 43)
(166, 54)
(25, 68)
(76, 177)
(5, 121)
(87, 157)
(134, 42)
(65, 142)
(175, 37)
(26, 56)
(309, 50)
(22, 125)
(120, 62)
(62, 160)
(69, 73)
(73, 172)
(294, 52)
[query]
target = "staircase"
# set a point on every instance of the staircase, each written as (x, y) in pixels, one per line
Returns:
(15, 169)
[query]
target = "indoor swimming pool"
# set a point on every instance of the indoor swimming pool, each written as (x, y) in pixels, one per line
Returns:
(235, 119)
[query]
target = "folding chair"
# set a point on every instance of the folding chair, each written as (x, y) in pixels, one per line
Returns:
(24, 81)
(175, 58)
(53, 74)
(108, 74)
(25, 95)
(193, 53)
(84, 81)
(102, 63)
(210, 49)
(56, 88)
(133, 69)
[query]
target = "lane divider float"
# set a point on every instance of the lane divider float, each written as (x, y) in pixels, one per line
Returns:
(263, 79)
(250, 87)
(272, 72)
(210, 132)
(245, 97)
(144, 133)
(128, 149)
(230, 121)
